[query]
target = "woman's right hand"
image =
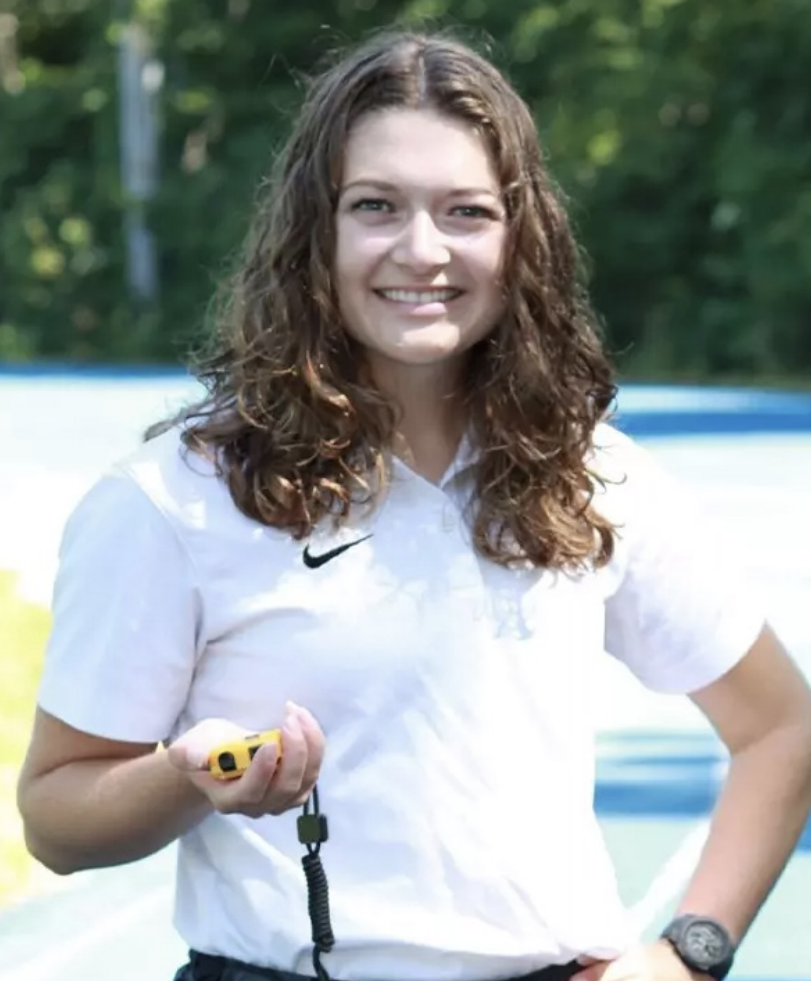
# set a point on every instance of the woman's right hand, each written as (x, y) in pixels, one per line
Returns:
(268, 786)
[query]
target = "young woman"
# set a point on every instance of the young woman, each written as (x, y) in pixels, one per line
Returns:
(400, 528)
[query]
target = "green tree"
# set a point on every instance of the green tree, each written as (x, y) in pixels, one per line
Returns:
(60, 248)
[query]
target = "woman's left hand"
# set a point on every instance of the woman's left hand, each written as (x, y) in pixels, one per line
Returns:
(654, 962)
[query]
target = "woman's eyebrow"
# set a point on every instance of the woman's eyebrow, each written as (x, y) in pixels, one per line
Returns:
(388, 186)
(370, 182)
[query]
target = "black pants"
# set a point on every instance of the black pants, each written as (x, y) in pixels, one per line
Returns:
(204, 967)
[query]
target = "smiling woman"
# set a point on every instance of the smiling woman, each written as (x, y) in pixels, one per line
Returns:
(400, 528)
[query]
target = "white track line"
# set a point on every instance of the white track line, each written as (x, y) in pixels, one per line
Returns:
(51, 965)
(672, 878)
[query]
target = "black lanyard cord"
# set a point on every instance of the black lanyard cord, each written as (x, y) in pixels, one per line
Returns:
(312, 832)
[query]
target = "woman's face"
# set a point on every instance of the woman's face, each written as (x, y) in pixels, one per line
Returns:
(420, 238)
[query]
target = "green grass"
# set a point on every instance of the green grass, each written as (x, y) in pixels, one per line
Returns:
(23, 634)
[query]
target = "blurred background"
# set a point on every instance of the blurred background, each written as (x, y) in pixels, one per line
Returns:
(133, 135)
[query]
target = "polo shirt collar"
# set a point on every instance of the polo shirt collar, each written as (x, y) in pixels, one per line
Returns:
(467, 455)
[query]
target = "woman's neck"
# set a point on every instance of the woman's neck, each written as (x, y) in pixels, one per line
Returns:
(432, 415)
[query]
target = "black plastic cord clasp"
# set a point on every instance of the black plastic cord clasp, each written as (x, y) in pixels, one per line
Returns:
(313, 829)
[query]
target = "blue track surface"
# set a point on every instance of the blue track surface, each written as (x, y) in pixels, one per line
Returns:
(659, 774)
(643, 410)
(648, 412)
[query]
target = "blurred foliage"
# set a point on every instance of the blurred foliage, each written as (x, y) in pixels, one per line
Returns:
(25, 630)
(680, 130)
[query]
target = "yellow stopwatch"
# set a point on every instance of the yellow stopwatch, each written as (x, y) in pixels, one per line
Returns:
(230, 760)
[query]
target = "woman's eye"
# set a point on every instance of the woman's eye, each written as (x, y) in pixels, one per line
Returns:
(473, 211)
(372, 204)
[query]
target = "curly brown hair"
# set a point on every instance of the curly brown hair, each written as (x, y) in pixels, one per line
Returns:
(297, 427)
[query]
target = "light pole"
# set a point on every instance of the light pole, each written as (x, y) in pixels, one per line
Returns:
(139, 80)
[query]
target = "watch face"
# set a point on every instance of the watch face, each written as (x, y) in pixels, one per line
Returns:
(705, 944)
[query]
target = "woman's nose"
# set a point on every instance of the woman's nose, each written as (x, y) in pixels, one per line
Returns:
(421, 244)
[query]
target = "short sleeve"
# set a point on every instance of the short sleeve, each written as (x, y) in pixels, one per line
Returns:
(126, 618)
(682, 613)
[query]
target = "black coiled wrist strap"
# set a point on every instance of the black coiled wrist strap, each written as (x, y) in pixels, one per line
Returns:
(312, 833)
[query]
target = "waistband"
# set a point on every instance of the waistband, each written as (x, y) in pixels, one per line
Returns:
(207, 967)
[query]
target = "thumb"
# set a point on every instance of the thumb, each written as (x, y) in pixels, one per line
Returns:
(190, 751)
(185, 757)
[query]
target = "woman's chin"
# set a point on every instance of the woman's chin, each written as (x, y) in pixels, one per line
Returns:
(424, 355)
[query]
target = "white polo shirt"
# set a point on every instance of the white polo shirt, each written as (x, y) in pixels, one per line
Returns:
(454, 694)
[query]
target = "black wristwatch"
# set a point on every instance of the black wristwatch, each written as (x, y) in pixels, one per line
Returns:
(702, 943)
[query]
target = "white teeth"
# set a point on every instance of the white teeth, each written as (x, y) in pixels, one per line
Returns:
(420, 296)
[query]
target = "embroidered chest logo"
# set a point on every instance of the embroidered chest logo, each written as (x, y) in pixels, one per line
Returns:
(316, 561)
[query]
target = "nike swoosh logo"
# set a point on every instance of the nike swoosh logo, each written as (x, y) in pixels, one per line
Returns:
(316, 561)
